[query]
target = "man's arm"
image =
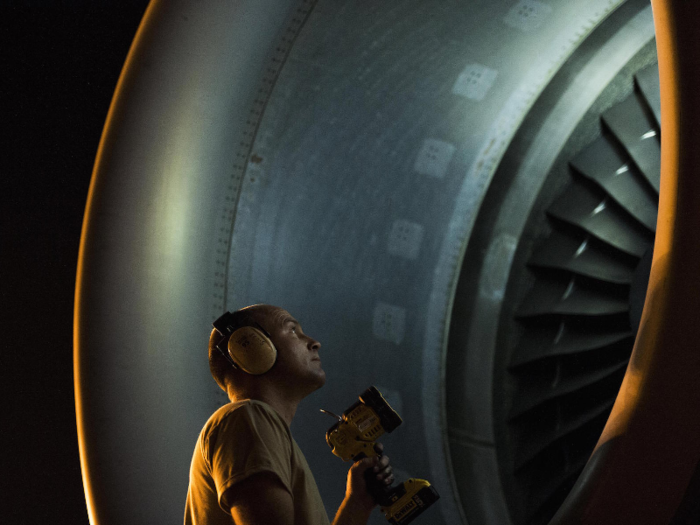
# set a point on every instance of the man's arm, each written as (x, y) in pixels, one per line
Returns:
(261, 499)
(358, 503)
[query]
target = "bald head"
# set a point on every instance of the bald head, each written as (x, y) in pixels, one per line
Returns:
(264, 313)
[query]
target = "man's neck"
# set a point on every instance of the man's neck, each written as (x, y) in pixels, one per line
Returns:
(284, 405)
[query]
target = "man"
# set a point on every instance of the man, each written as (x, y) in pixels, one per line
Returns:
(246, 468)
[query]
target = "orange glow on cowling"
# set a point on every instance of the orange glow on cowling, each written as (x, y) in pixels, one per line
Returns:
(83, 440)
(668, 279)
(648, 451)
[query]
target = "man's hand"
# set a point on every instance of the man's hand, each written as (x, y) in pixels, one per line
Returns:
(356, 487)
(358, 502)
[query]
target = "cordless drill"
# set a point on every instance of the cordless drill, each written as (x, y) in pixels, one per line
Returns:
(354, 437)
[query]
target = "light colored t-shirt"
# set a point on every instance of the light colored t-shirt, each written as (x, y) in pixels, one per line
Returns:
(239, 440)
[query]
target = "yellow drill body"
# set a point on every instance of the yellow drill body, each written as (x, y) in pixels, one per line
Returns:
(354, 437)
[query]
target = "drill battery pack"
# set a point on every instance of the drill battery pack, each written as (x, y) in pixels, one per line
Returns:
(417, 496)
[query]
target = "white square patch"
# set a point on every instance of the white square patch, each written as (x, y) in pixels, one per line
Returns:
(527, 15)
(475, 81)
(405, 239)
(434, 158)
(389, 322)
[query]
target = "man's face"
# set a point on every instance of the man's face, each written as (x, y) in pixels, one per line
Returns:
(298, 358)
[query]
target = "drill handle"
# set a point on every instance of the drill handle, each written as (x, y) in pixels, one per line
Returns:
(377, 489)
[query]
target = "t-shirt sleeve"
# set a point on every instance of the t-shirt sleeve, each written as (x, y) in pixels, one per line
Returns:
(247, 441)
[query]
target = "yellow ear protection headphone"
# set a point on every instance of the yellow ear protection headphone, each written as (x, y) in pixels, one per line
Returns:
(246, 346)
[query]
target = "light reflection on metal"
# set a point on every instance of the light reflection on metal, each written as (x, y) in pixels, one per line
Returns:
(81, 280)
(646, 456)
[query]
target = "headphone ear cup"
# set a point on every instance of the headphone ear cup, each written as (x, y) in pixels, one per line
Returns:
(252, 350)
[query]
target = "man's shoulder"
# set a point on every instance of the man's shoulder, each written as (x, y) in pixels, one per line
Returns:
(224, 410)
(244, 427)
(245, 410)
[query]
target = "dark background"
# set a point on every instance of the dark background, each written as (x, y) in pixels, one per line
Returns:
(60, 64)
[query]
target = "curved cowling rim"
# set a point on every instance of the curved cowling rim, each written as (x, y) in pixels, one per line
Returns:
(146, 271)
(645, 459)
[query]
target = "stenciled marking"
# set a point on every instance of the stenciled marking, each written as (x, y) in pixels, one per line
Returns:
(434, 158)
(527, 15)
(405, 239)
(389, 322)
(475, 81)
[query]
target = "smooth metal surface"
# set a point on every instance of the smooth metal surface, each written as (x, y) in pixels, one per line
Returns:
(331, 158)
(148, 251)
